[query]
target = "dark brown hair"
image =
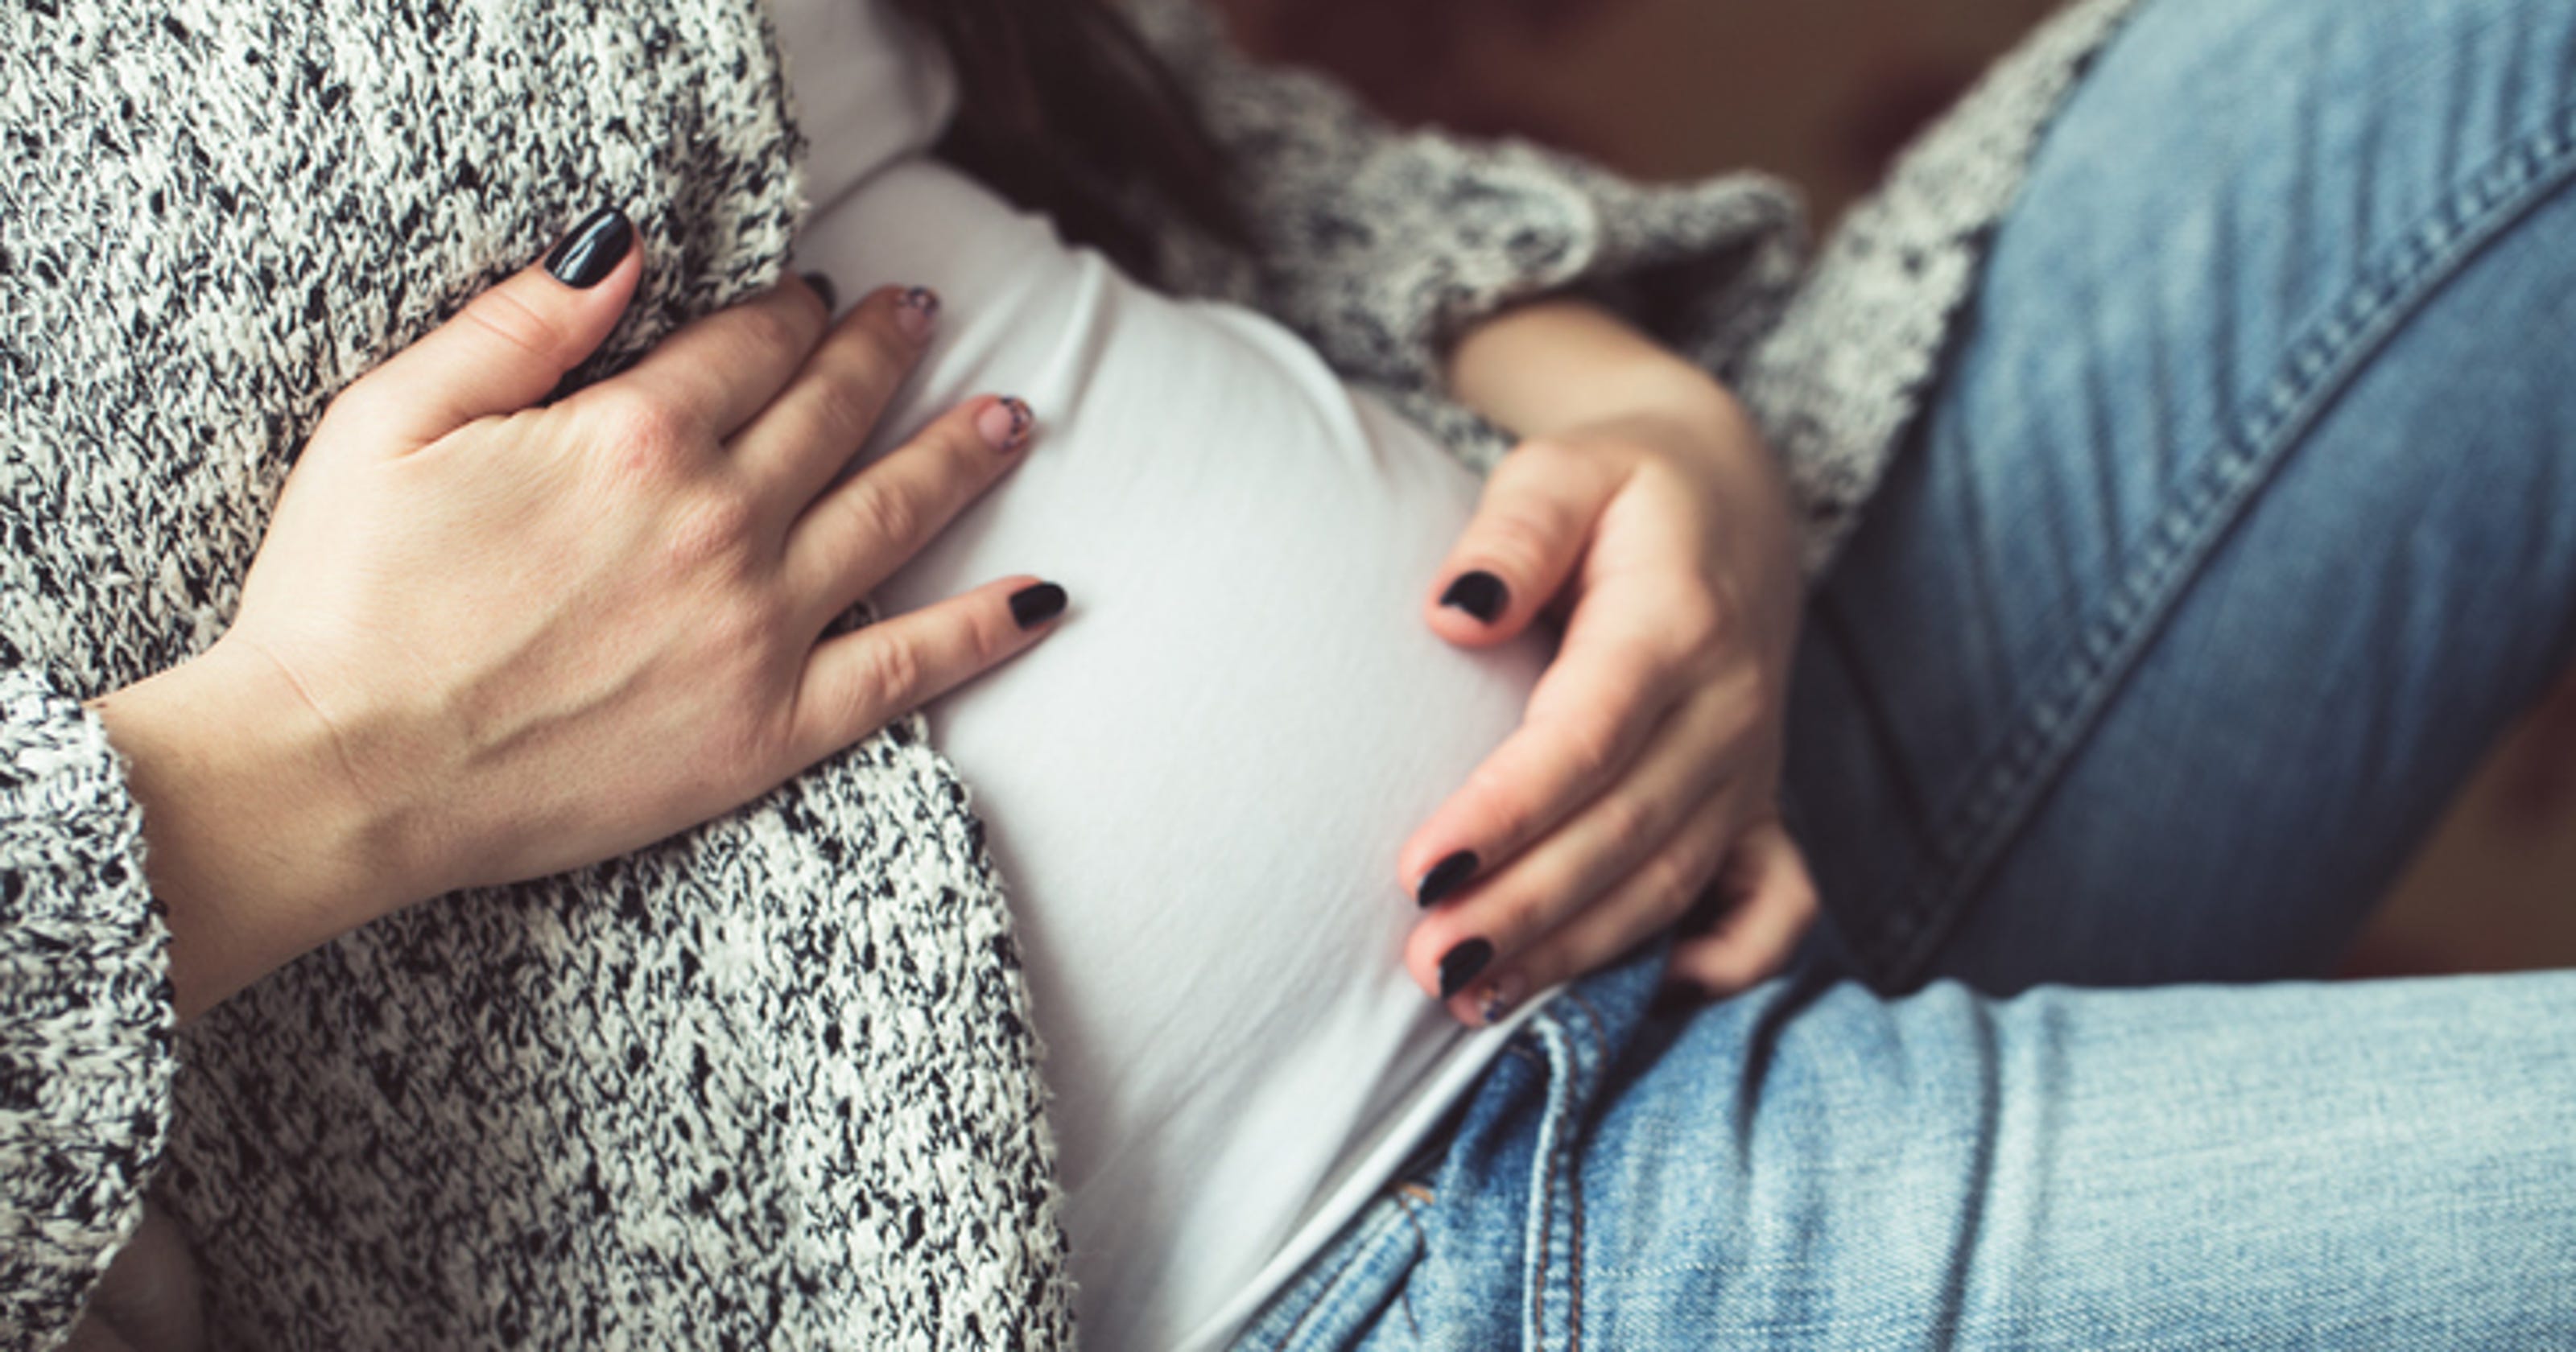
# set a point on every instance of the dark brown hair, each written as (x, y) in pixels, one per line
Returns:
(1064, 110)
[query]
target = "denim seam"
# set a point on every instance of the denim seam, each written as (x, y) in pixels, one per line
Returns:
(1412, 1207)
(1555, 1147)
(2317, 367)
(1574, 1263)
(1380, 1227)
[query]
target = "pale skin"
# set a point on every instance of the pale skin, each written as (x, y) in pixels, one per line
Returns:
(487, 639)
(1644, 510)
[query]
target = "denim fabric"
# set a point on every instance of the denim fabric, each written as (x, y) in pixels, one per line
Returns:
(2242, 520)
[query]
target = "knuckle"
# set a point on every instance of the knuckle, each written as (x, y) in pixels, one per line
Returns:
(1626, 826)
(770, 328)
(847, 403)
(1510, 813)
(988, 634)
(1511, 915)
(1696, 620)
(714, 528)
(960, 463)
(512, 321)
(882, 511)
(640, 428)
(1520, 540)
(991, 632)
(893, 671)
(1591, 747)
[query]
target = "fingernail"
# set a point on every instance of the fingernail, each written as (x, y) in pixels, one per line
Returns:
(823, 287)
(1480, 594)
(1445, 878)
(1501, 998)
(1006, 424)
(1464, 964)
(1034, 606)
(591, 250)
(915, 311)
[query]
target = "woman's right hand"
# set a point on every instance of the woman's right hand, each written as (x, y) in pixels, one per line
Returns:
(488, 639)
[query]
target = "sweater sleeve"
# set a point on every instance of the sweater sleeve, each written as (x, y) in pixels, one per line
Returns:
(85, 1012)
(1381, 246)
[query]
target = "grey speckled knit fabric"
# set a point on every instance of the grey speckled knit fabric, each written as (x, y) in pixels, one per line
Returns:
(770, 1083)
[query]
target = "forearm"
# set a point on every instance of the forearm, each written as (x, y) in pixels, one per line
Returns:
(253, 843)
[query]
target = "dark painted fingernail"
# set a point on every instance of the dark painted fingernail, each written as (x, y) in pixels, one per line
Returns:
(915, 311)
(1445, 878)
(1034, 606)
(1006, 425)
(823, 287)
(1501, 998)
(1480, 594)
(592, 250)
(1464, 964)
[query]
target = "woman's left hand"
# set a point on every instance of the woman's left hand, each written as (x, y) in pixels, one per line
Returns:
(1644, 776)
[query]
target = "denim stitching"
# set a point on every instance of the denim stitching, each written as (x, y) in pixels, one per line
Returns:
(1411, 1199)
(1376, 1231)
(2318, 366)
(1574, 1263)
(1553, 1126)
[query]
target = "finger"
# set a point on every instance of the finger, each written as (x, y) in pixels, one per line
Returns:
(1527, 536)
(872, 523)
(860, 681)
(1642, 904)
(717, 372)
(809, 432)
(509, 347)
(1614, 681)
(1595, 850)
(1768, 900)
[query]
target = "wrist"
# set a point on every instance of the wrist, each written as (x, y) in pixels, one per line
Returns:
(1559, 365)
(255, 841)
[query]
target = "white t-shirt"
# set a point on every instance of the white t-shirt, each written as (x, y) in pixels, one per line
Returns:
(1197, 786)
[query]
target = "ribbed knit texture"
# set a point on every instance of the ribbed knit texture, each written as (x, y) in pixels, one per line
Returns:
(771, 1083)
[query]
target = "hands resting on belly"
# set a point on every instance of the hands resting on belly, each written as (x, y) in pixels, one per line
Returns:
(488, 638)
(1645, 515)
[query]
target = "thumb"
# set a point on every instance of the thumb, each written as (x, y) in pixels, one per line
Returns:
(1530, 531)
(513, 344)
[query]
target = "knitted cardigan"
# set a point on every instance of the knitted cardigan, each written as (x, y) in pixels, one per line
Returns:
(770, 1082)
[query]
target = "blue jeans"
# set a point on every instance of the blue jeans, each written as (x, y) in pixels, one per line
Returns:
(2242, 521)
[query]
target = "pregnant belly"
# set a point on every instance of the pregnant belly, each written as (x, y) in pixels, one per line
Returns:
(1196, 788)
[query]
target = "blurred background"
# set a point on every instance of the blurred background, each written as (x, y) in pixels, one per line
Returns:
(1823, 93)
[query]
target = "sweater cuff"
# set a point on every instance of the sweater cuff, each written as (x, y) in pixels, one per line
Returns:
(86, 1059)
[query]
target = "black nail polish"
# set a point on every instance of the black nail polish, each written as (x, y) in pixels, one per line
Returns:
(1480, 594)
(1034, 606)
(1464, 964)
(592, 250)
(823, 287)
(921, 300)
(1023, 422)
(1445, 877)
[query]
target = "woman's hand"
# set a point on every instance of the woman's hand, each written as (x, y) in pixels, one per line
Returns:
(1649, 516)
(487, 639)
